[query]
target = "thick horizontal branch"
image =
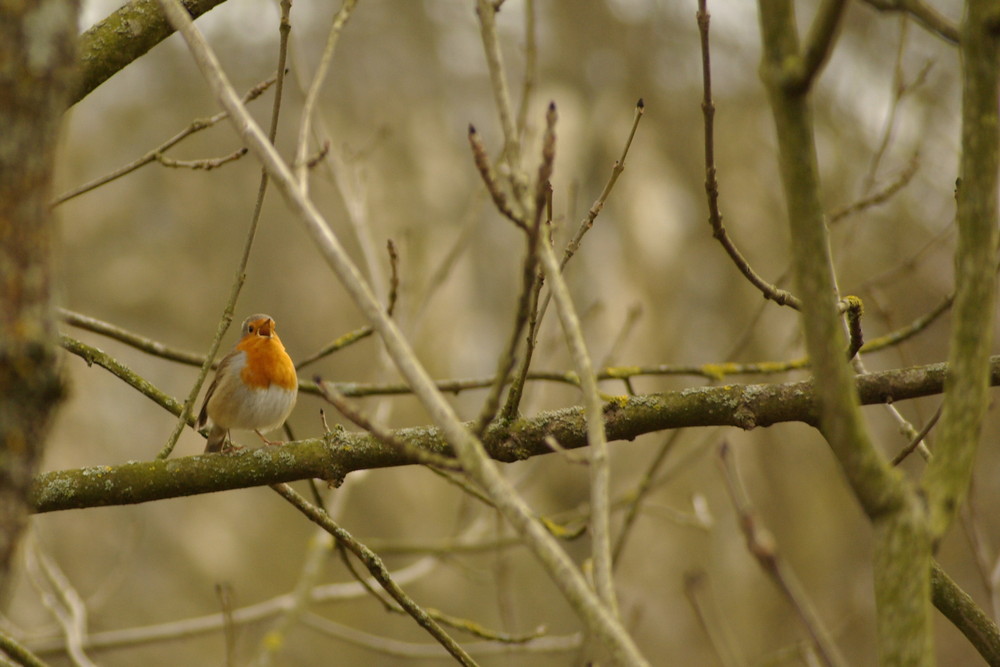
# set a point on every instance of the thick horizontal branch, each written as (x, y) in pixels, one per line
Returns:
(742, 406)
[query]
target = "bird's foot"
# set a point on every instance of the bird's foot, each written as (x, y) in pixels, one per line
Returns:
(273, 443)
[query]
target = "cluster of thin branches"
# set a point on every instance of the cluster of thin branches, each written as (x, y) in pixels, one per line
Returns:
(521, 194)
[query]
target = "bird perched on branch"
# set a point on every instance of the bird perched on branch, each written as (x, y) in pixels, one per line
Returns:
(254, 388)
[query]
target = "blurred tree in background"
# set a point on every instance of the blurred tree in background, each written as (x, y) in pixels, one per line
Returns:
(848, 150)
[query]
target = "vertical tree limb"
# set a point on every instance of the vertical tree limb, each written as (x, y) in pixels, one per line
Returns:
(36, 56)
(966, 396)
(902, 543)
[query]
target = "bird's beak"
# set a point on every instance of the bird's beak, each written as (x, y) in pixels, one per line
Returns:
(266, 329)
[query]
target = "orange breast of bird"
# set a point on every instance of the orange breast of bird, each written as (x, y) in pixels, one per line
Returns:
(267, 363)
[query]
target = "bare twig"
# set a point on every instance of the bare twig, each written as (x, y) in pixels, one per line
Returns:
(761, 544)
(301, 163)
(393, 647)
(211, 623)
(501, 92)
(530, 67)
(616, 170)
(10, 647)
(131, 339)
(564, 573)
(363, 332)
(337, 344)
(203, 165)
(538, 312)
(92, 355)
(224, 592)
(284, 27)
(713, 624)
(822, 35)
(62, 600)
(779, 296)
(492, 182)
(337, 400)
(917, 439)
(378, 570)
(507, 359)
(600, 474)
(899, 335)
(900, 89)
(150, 156)
(642, 491)
(310, 574)
(881, 196)
(925, 15)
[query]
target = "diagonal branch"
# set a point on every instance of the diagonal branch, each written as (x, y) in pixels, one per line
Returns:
(469, 451)
(123, 36)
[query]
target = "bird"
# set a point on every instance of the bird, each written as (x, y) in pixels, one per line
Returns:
(254, 388)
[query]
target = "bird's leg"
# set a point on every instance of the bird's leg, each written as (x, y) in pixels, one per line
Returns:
(229, 446)
(268, 442)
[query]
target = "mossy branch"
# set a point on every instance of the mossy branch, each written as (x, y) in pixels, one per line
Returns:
(333, 457)
(122, 37)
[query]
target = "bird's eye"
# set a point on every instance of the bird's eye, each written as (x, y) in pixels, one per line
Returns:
(250, 328)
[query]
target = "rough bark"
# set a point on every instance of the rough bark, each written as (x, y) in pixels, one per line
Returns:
(37, 40)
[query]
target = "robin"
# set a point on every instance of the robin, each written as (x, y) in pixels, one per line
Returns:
(254, 388)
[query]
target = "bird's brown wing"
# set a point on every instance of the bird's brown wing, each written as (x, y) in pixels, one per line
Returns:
(203, 413)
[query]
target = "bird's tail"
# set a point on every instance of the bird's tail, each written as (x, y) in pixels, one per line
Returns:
(216, 438)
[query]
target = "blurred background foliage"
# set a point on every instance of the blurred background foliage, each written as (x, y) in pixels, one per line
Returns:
(156, 251)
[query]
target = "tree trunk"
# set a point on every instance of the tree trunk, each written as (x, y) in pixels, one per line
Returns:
(36, 64)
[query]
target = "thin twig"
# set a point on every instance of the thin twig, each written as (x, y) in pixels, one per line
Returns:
(412, 651)
(530, 67)
(563, 571)
(489, 176)
(917, 439)
(486, 12)
(92, 355)
(10, 647)
(337, 400)
(822, 35)
(900, 90)
(925, 15)
(150, 156)
(284, 27)
(206, 164)
(912, 329)
(772, 292)
(600, 474)
(308, 107)
(62, 600)
(211, 623)
(310, 574)
(595, 209)
(131, 339)
(224, 592)
(713, 624)
(507, 359)
(529, 275)
(639, 495)
(881, 196)
(361, 333)
(762, 546)
(538, 313)
(378, 570)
